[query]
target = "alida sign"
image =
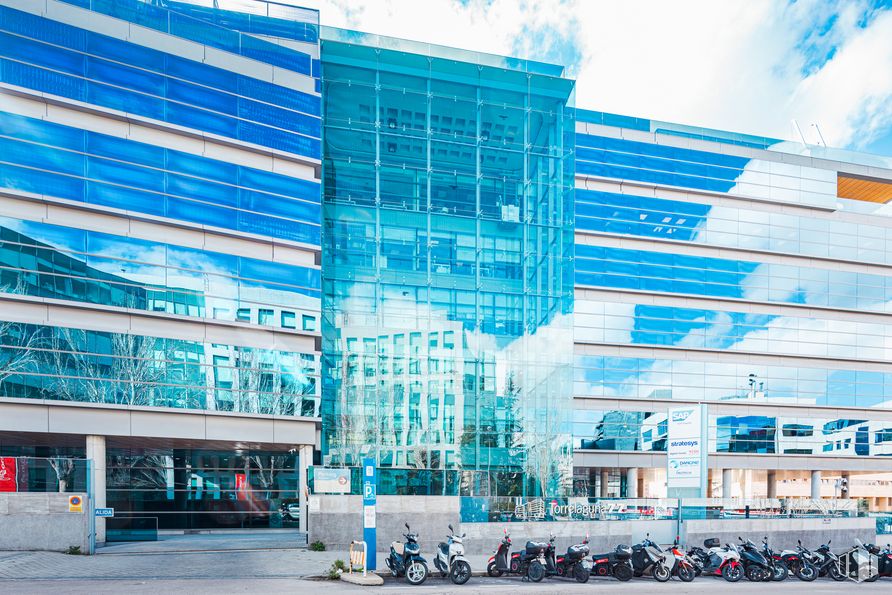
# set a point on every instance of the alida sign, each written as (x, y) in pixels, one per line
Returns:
(686, 452)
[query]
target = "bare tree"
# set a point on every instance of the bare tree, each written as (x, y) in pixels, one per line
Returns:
(64, 468)
(18, 353)
(77, 372)
(136, 368)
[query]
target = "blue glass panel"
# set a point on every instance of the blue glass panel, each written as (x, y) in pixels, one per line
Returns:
(194, 165)
(126, 101)
(128, 199)
(41, 182)
(125, 150)
(203, 96)
(30, 25)
(276, 205)
(279, 184)
(56, 58)
(274, 116)
(39, 131)
(125, 174)
(23, 75)
(193, 117)
(202, 190)
(202, 74)
(123, 51)
(197, 212)
(43, 157)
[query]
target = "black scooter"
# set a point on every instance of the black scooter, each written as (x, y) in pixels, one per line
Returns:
(617, 563)
(405, 559)
(886, 561)
(825, 561)
(572, 563)
(529, 563)
(755, 566)
(648, 557)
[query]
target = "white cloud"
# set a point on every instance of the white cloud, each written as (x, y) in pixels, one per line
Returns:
(748, 66)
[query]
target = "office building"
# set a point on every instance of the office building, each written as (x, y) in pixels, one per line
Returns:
(238, 247)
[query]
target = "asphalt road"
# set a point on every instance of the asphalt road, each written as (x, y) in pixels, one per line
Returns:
(476, 585)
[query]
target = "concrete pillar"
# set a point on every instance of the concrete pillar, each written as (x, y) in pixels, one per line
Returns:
(304, 460)
(605, 479)
(816, 485)
(96, 456)
(632, 482)
(726, 482)
(772, 484)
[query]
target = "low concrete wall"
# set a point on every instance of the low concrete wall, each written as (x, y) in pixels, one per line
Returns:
(782, 532)
(41, 521)
(337, 520)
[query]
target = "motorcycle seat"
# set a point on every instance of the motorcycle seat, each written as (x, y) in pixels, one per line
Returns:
(398, 547)
(534, 546)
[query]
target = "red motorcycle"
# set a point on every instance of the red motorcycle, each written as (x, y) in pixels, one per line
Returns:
(684, 566)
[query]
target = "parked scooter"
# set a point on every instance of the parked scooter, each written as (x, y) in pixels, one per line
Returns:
(617, 563)
(573, 563)
(855, 560)
(532, 560)
(684, 567)
(885, 557)
(779, 570)
(798, 561)
(450, 559)
(648, 557)
(405, 559)
(825, 561)
(501, 562)
(755, 566)
(717, 560)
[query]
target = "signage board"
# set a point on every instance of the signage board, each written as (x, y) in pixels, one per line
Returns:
(331, 481)
(75, 504)
(369, 500)
(105, 512)
(686, 456)
(8, 476)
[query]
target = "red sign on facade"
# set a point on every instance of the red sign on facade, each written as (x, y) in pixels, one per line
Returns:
(241, 486)
(8, 481)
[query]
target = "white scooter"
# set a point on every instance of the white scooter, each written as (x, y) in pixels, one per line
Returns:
(451, 559)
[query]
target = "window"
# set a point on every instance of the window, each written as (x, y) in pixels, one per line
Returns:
(309, 323)
(265, 317)
(243, 314)
(289, 319)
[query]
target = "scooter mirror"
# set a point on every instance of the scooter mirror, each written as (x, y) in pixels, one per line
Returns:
(407, 526)
(463, 535)
(451, 529)
(799, 541)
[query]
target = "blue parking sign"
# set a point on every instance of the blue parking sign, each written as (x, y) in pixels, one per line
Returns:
(369, 498)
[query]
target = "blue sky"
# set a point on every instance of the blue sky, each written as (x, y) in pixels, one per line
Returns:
(743, 65)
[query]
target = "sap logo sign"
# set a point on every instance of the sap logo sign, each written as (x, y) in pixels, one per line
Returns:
(683, 415)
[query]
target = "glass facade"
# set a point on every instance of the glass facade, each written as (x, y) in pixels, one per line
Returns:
(428, 252)
(447, 268)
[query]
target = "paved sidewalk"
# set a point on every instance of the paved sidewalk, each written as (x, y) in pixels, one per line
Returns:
(272, 540)
(294, 563)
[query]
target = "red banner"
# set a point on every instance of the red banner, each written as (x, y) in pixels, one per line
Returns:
(8, 475)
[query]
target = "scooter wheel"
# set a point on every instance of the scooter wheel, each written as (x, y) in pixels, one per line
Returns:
(732, 574)
(780, 572)
(622, 572)
(755, 574)
(835, 573)
(807, 572)
(580, 573)
(491, 570)
(416, 572)
(686, 573)
(536, 572)
(661, 573)
(460, 572)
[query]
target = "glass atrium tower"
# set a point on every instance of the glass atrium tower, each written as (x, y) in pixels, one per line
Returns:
(447, 265)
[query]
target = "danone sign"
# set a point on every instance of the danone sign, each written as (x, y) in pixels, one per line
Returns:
(686, 452)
